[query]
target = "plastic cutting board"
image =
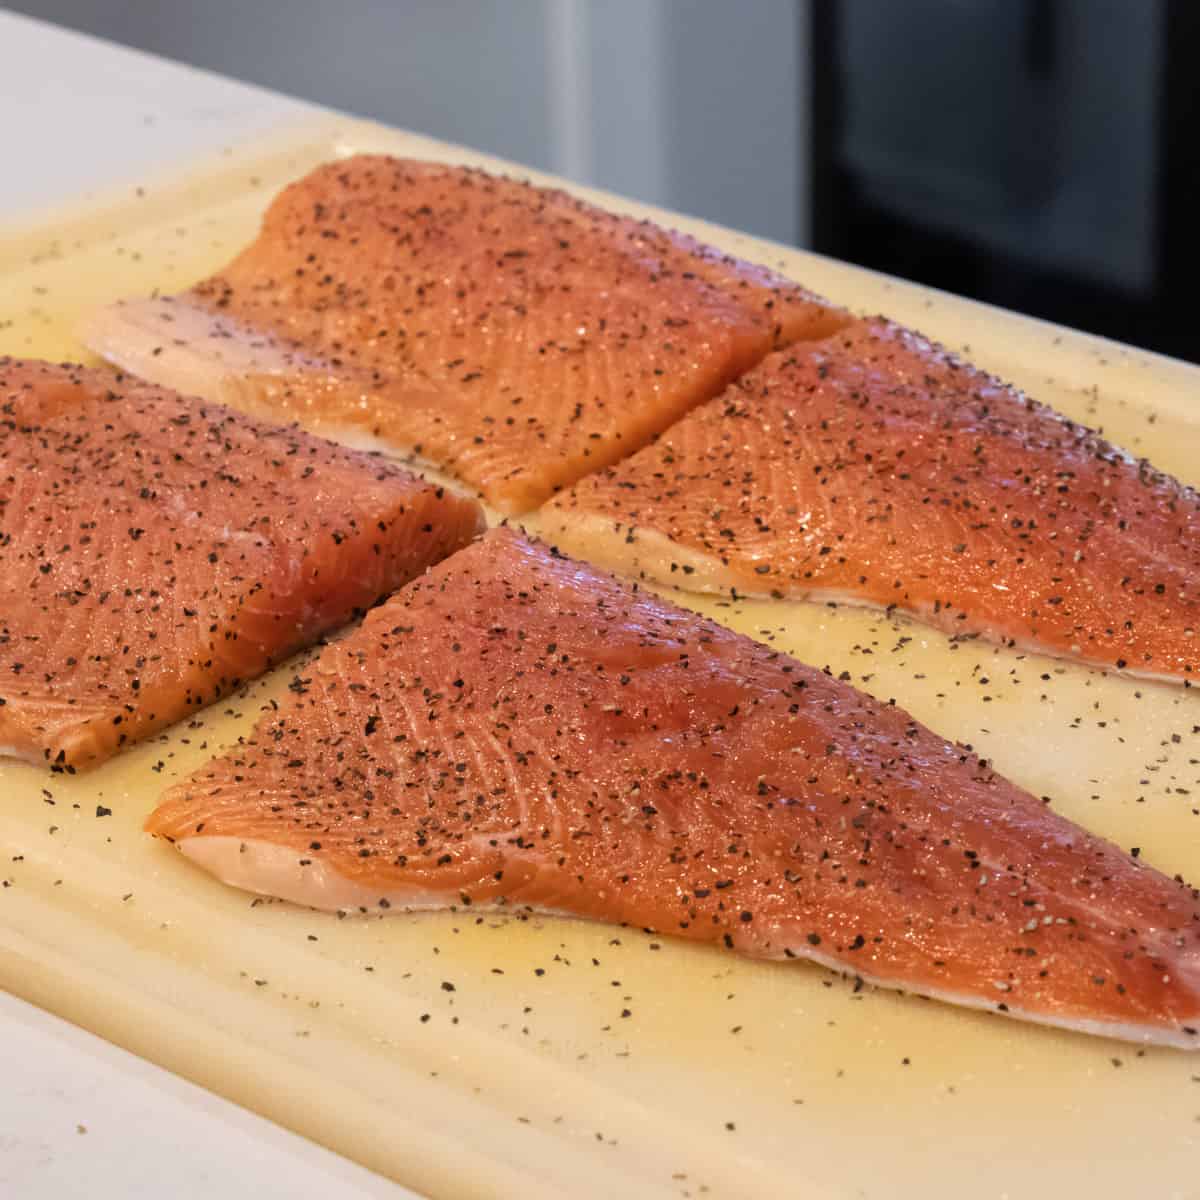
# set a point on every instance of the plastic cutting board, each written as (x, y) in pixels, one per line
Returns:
(585, 1060)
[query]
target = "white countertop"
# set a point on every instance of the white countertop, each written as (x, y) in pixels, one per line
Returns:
(78, 1116)
(81, 1118)
(79, 113)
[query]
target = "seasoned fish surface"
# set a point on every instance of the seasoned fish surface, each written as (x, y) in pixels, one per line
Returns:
(511, 335)
(156, 552)
(874, 468)
(516, 729)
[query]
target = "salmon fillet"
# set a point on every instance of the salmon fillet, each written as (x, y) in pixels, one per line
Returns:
(518, 730)
(510, 335)
(156, 552)
(874, 468)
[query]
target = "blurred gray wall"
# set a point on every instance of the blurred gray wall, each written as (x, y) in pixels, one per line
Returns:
(697, 105)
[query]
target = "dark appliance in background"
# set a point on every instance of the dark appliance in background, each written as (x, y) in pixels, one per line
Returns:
(1042, 155)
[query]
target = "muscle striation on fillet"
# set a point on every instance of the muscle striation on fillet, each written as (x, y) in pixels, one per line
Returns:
(874, 468)
(156, 552)
(513, 336)
(518, 730)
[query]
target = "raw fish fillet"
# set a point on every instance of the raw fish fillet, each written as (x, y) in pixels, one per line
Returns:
(510, 335)
(876, 469)
(156, 552)
(518, 730)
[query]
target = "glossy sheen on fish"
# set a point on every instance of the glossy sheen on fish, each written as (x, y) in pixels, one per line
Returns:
(517, 729)
(156, 552)
(874, 468)
(511, 335)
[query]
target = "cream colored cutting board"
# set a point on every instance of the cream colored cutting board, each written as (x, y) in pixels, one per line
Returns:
(485, 1058)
